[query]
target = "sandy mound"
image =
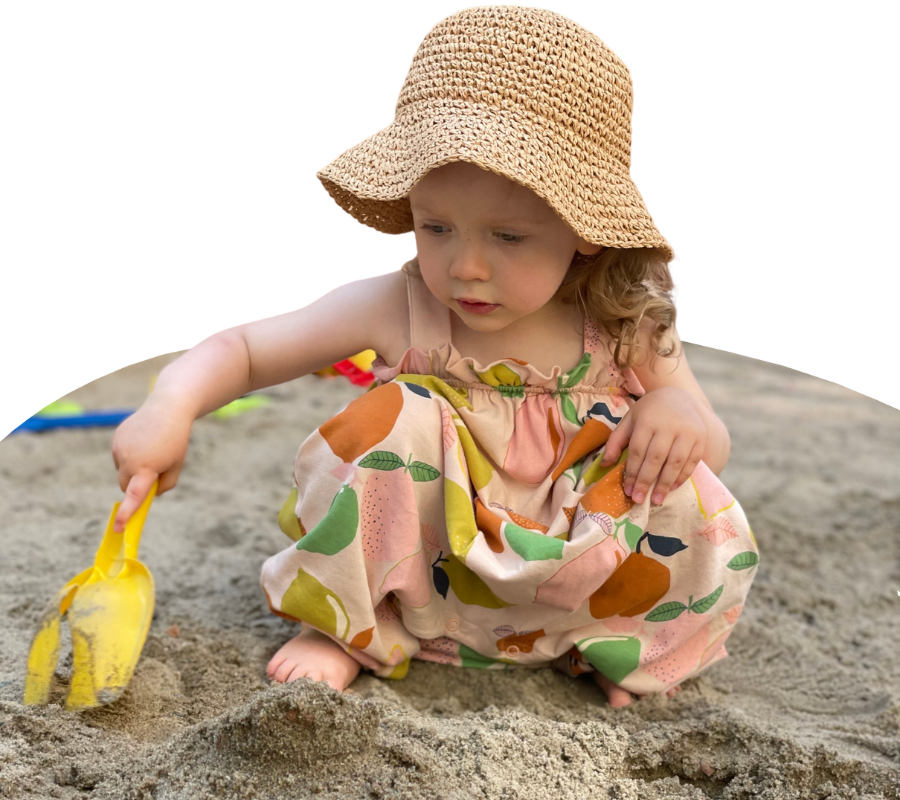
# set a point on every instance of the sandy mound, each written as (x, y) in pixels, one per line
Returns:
(807, 705)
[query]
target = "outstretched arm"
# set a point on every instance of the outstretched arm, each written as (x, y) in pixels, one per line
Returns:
(152, 442)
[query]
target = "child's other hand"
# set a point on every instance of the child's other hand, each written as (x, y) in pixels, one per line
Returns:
(149, 444)
(666, 438)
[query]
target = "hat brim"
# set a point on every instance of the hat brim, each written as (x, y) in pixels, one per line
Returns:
(593, 193)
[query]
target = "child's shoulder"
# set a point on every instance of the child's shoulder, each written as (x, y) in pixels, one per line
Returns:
(382, 301)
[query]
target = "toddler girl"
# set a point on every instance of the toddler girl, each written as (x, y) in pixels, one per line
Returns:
(531, 481)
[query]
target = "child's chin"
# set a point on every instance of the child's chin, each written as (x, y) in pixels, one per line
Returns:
(483, 322)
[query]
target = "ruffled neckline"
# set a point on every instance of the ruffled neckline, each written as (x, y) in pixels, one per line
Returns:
(447, 363)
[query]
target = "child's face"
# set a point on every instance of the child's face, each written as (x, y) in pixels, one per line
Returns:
(481, 236)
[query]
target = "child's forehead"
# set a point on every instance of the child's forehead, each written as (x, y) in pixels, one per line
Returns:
(463, 182)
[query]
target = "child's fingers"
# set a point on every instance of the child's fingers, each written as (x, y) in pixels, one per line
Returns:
(653, 461)
(638, 448)
(168, 479)
(695, 458)
(138, 488)
(617, 442)
(672, 469)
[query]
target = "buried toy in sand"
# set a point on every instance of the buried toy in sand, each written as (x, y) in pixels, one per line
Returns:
(458, 513)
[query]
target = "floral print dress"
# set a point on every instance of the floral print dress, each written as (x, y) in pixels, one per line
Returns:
(457, 513)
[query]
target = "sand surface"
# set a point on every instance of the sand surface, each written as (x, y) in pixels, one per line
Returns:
(807, 705)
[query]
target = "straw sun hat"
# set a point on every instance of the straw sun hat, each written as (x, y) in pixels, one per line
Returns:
(523, 92)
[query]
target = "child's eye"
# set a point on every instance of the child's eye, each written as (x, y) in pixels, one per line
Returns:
(509, 238)
(430, 228)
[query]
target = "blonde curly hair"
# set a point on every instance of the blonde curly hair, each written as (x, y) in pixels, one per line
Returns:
(619, 289)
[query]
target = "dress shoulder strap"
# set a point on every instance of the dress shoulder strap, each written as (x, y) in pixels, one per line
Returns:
(593, 341)
(429, 318)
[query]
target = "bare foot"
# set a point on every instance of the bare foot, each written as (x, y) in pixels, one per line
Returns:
(618, 696)
(311, 654)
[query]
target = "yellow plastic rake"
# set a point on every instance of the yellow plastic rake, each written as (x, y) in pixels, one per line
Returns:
(109, 608)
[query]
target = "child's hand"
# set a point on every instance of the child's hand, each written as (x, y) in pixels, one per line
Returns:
(666, 437)
(149, 444)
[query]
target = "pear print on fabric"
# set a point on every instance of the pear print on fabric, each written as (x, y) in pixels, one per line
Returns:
(390, 520)
(537, 441)
(677, 643)
(616, 657)
(458, 512)
(468, 586)
(308, 600)
(522, 640)
(638, 584)
(337, 529)
(288, 520)
(576, 581)
(478, 467)
(365, 423)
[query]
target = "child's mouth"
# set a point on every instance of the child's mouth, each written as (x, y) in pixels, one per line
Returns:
(477, 308)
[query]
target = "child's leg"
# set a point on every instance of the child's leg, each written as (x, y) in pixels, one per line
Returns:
(354, 515)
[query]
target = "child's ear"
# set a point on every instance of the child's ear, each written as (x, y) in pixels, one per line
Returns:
(588, 248)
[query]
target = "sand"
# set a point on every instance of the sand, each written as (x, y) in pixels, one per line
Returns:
(807, 705)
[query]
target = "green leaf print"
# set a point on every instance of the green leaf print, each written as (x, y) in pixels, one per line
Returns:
(744, 560)
(568, 407)
(576, 468)
(665, 612)
(706, 603)
(578, 373)
(421, 471)
(382, 459)
(573, 473)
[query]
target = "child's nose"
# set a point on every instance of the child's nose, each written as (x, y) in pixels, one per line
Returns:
(470, 265)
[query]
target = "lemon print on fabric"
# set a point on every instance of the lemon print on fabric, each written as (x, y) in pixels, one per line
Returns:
(480, 469)
(456, 397)
(337, 528)
(309, 601)
(616, 657)
(288, 520)
(502, 378)
(468, 587)
(460, 514)
(596, 471)
(712, 496)
(400, 670)
(533, 546)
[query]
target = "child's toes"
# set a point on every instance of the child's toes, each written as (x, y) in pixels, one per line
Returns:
(274, 664)
(284, 671)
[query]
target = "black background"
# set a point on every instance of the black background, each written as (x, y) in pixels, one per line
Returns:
(168, 186)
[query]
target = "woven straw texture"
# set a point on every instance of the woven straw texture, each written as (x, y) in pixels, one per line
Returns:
(525, 93)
